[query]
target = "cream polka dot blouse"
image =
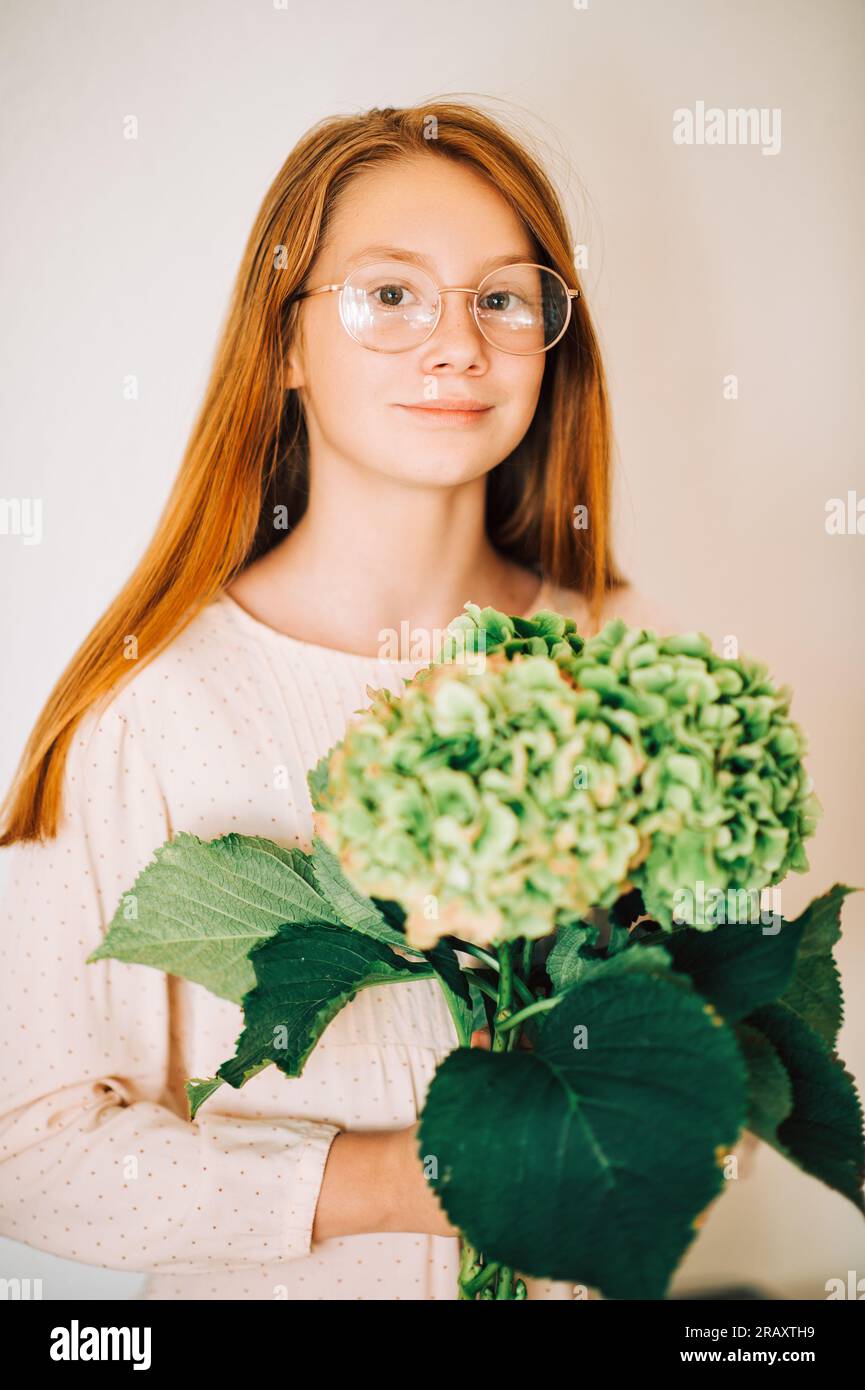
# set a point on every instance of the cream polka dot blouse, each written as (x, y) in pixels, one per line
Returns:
(98, 1159)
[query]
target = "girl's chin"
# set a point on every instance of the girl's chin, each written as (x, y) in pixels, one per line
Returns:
(437, 471)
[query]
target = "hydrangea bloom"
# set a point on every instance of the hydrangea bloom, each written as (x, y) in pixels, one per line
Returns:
(459, 801)
(725, 801)
(502, 797)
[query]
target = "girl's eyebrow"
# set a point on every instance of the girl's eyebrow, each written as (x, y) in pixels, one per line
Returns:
(399, 253)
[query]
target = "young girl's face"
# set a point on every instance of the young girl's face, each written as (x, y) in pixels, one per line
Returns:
(354, 399)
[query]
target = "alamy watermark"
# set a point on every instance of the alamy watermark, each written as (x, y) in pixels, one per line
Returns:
(428, 644)
(707, 906)
(739, 125)
(22, 516)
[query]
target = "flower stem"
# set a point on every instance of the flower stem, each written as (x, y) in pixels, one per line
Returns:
(539, 1006)
(479, 1278)
(499, 1042)
(470, 1266)
(494, 964)
(504, 1040)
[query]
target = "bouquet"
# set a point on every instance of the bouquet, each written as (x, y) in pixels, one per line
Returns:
(574, 838)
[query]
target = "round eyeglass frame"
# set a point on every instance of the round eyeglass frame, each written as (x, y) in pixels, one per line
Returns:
(452, 289)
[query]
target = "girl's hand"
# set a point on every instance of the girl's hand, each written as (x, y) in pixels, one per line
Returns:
(415, 1205)
(418, 1206)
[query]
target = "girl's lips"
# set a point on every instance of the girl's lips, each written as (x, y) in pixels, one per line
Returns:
(435, 415)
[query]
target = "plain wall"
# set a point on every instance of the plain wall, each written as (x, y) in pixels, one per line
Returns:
(703, 261)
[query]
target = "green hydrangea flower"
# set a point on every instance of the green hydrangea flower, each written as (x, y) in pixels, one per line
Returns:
(528, 775)
(459, 800)
(724, 798)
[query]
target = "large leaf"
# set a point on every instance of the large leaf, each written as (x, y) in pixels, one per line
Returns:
(823, 1131)
(653, 958)
(814, 993)
(591, 1164)
(304, 976)
(384, 921)
(353, 908)
(200, 907)
(735, 966)
(771, 1090)
(454, 982)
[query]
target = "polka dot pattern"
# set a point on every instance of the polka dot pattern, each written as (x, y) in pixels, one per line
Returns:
(98, 1160)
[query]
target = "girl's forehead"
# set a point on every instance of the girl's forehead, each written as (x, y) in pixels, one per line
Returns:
(426, 211)
(421, 193)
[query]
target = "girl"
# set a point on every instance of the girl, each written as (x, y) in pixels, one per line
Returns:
(407, 411)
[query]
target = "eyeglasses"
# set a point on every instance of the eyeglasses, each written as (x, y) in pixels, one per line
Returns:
(392, 307)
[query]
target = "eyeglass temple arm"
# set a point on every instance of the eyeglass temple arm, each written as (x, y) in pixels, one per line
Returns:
(305, 294)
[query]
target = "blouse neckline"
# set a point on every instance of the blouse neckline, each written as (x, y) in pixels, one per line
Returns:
(254, 625)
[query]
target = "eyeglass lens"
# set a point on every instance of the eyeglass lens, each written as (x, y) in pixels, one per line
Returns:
(392, 307)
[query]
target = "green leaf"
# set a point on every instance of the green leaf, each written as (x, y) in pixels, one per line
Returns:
(446, 965)
(771, 1090)
(591, 1164)
(567, 961)
(575, 957)
(653, 958)
(823, 1132)
(304, 976)
(480, 1018)
(618, 939)
(197, 1091)
(352, 907)
(735, 966)
(316, 780)
(814, 993)
(201, 906)
(454, 982)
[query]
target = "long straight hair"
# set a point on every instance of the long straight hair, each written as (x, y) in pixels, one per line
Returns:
(247, 454)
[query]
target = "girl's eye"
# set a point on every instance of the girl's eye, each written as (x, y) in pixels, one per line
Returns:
(498, 300)
(391, 296)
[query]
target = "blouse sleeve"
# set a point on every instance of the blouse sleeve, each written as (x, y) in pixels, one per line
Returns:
(96, 1163)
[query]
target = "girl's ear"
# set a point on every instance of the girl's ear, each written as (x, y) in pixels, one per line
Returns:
(294, 375)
